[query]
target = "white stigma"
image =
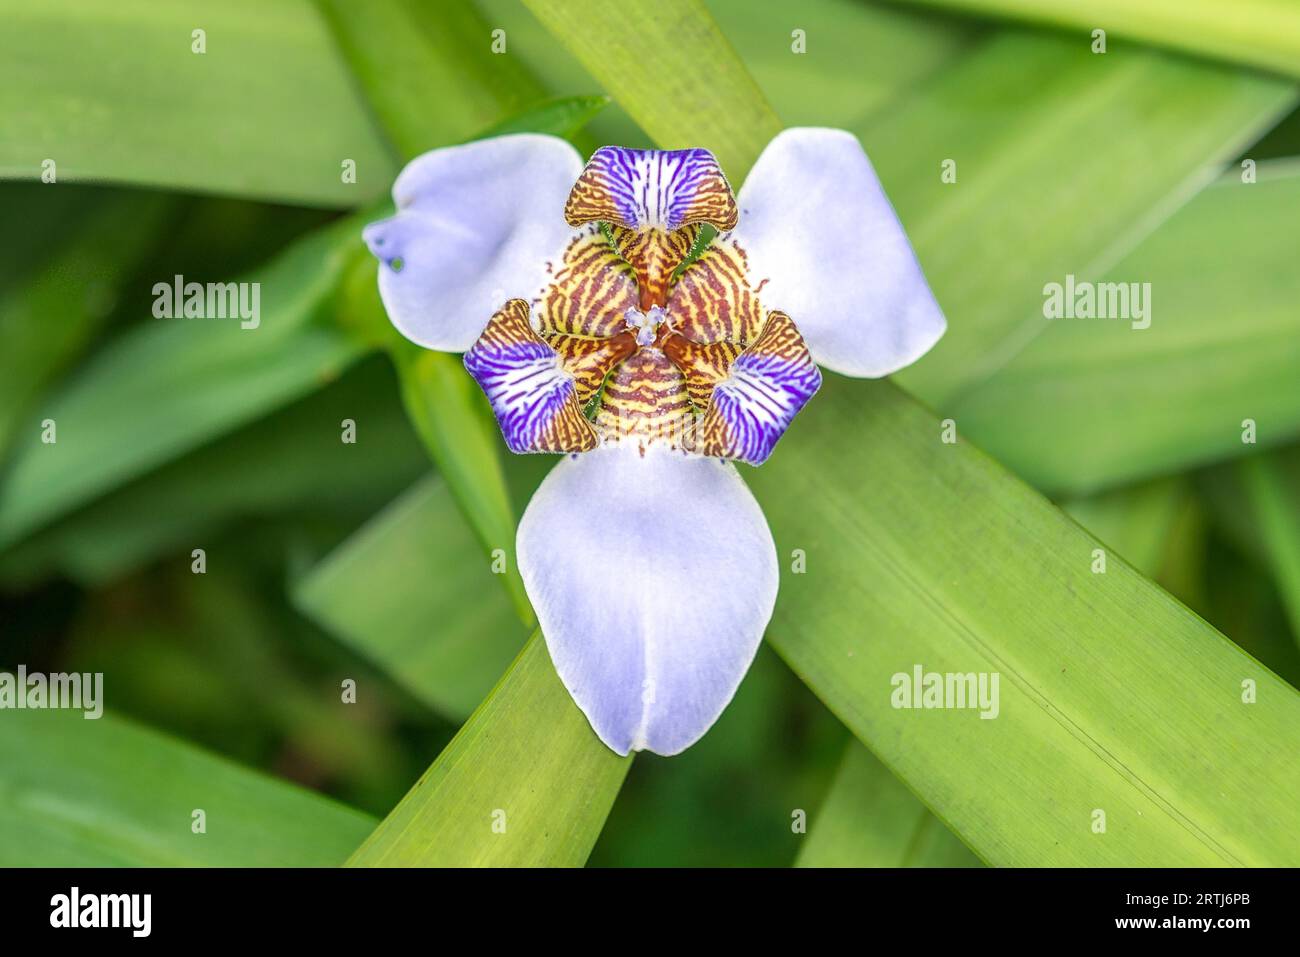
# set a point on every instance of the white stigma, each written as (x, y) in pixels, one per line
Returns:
(646, 323)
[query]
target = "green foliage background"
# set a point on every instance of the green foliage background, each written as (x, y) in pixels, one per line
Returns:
(371, 561)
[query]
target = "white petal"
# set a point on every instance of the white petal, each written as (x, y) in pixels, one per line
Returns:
(653, 578)
(476, 226)
(816, 223)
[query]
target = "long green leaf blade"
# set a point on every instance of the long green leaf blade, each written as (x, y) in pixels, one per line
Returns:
(524, 784)
(65, 801)
(870, 819)
(614, 41)
(397, 592)
(1264, 33)
(1136, 402)
(1113, 697)
(116, 92)
(171, 384)
(1028, 192)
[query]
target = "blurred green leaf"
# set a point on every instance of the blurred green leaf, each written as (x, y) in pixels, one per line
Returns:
(48, 318)
(1271, 483)
(116, 93)
(170, 385)
(857, 57)
(525, 783)
(1112, 695)
(1263, 33)
(1029, 204)
(1092, 403)
(109, 793)
(401, 592)
(427, 68)
(869, 819)
(1159, 528)
(564, 116)
(1136, 520)
(451, 415)
(269, 471)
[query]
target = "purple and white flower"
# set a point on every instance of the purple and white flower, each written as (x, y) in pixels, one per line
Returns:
(598, 328)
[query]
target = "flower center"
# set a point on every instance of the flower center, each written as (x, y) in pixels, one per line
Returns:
(646, 323)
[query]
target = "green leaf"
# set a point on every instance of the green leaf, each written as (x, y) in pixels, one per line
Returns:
(269, 471)
(427, 69)
(525, 783)
(1112, 695)
(856, 57)
(1157, 129)
(116, 93)
(1095, 402)
(1137, 520)
(109, 793)
(79, 284)
(169, 385)
(728, 113)
(564, 116)
(1272, 486)
(1263, 33)
(870, 819)
(401, 592)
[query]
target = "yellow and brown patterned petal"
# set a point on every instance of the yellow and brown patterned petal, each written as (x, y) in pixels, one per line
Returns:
(589, 360)
(645, 401)
(713, 300)
(589, 290)
(534, 398)
(703, 364)
(654, 255)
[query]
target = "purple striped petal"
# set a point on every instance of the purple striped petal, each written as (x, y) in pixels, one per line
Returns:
(652, 189)
(764, 389)
(534, 399)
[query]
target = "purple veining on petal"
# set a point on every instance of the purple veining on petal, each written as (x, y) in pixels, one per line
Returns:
(526, 386)
(663, 189)
(765, 389)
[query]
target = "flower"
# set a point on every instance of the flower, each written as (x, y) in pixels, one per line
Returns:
(649, 563)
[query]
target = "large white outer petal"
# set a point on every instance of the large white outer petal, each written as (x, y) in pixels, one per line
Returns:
(816, 223)
(653, 578)
(476, 226)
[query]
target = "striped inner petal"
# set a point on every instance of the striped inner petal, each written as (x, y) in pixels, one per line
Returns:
(765, 388)
(589, 361)
(646, 400)
(534, 398)
(655, 189)
(713, 300)
(704, 364)
(589, 290)
(654, 256)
